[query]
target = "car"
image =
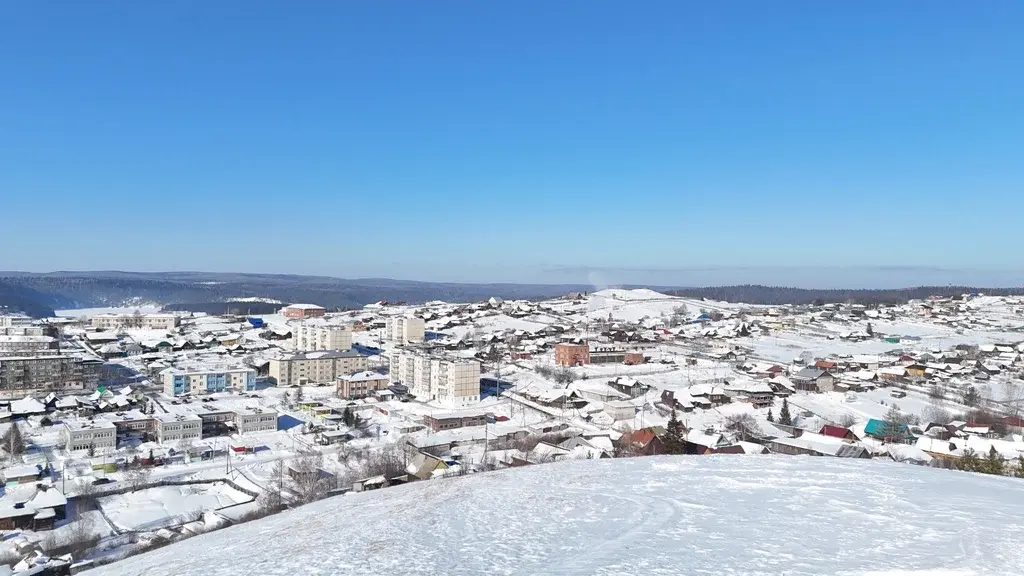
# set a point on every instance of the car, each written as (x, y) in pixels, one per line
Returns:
(102, 481)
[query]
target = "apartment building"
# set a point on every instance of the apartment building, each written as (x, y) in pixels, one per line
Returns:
(27, 345)
(178, 381)
(9, 320)
(404, 329)
(360, 385)
(256, 420)
(175, 427)
(310, 337)
(148, 321)
(21, 375)
(435, 377)
(303, 311)
(97, 434)
(321, 367)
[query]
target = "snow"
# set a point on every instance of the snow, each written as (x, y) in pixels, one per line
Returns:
(154, 507)
(653, 516)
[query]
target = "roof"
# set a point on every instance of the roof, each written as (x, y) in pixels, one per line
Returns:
(305, 307)
(367, 376)
(834, 431)
(323, 355)
(809, 374)
(876, 427)
(21, 471)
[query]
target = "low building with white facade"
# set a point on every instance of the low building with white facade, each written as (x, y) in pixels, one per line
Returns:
(311, 336)
(147, 321)
(321, 367)
(179, 381)
(97, 434)
(436, 377)
(404, 329)
(256, 420)
(178, 426)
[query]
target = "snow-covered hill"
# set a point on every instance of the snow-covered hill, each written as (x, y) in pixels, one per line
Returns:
(664, 515)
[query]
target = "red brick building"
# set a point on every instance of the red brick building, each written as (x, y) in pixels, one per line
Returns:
(303, 311)
(567, 354)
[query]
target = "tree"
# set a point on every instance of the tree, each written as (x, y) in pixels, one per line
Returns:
(771, 418)
(1018, 470)
(309, 479)
(993, 463)
(936, 392)
(870, 330)
(969, 461)
(348, 417)
(937, 414)
(271, 499)
(13, 442)
(299, 396)
(744, 425)
(286, 399)
(971, 397)
(673, 438)
(138, 477)
(894, 425)
(784, 417)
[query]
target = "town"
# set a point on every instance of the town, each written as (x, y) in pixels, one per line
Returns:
(126, 429)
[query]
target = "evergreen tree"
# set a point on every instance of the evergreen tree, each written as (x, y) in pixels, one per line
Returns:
(673, 438)
(870, 330)
(993, 463)
(894, 425)
(784, 417)
(286, 399)
(971, 397)
(13, 443)
(347, 417)
(771, 418)
(299, 396)
(1018, 471)
(969, 461)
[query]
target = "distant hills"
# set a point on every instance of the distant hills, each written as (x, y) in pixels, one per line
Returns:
(40, 294)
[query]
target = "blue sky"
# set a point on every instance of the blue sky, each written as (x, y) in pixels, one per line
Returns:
(529, 141)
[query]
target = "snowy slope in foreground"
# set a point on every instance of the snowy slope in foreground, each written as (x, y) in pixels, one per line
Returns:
(665, 515)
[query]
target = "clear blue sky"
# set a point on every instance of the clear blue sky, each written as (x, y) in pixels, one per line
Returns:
(529, 141)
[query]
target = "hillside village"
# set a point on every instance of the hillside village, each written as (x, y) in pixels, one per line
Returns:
(125, 429)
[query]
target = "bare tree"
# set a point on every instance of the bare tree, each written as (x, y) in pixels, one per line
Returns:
(309, 479)
(138, 477)
(744, 425)
(271, 499)
(846, 420)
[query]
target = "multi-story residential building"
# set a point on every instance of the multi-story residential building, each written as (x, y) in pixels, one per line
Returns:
(8, 320)
(303, 311)
(310, 337)
(572, 354)
(360, 385)
(404, 329)
(21, 375)
(178, 381)
(257, 420)
(27, 345)
(320, 367)
(436, 378)
(178, 426)
(97, 434)
(148, 321)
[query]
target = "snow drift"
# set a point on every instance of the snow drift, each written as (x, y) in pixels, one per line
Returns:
(664, 515)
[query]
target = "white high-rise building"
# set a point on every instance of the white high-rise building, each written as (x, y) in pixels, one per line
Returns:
(310, 337)
(404, 329)
(437, 378)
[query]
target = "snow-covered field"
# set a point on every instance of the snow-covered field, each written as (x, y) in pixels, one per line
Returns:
(153, 507)
(651, 516)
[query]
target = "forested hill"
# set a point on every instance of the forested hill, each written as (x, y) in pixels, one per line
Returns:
(40, 294)
(778, 295)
